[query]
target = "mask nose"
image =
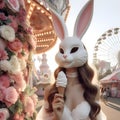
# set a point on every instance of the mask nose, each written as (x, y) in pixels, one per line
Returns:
(65, 56)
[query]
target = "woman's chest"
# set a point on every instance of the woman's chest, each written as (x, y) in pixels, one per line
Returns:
(74, 96)
(80, 112)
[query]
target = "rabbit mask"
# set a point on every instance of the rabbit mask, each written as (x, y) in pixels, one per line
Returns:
(72, 52)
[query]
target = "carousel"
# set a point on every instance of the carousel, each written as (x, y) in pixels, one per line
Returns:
(39, 16)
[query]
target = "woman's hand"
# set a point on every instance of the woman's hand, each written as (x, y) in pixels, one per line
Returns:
(58, 106)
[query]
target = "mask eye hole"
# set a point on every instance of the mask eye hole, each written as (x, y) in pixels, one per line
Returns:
(74, 49)
(61, 51)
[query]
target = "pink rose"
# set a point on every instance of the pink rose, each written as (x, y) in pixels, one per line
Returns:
(11, 96)
(34, 97)
(20, 83)
(1, 94)
(4, 114)
(15, 45)
(22, 15)
(18, 117)
(4, 81)
(29, 106)
(3, 55)
(2, 4)
(13, 23)
(2, 44)
(2, 16)
(13, 5)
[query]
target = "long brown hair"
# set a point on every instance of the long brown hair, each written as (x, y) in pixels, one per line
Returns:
(85, 75)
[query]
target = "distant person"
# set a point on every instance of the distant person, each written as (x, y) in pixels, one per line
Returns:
(104, 94)
(108, 92)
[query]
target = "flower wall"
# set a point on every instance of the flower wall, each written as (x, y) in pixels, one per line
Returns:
(17, 98)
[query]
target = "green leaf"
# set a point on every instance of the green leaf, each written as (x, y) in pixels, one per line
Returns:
(17, 107)
(5, 22)
(23, 53)
(1, 22)
(10, 53)
(29, 91)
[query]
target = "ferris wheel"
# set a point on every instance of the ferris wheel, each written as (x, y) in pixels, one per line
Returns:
(107, 47)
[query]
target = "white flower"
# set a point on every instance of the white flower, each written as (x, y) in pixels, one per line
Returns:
(7, 32)
(15, 65)
(5, 65)
(12, 66)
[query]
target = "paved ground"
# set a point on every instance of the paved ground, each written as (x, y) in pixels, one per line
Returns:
(111, 108)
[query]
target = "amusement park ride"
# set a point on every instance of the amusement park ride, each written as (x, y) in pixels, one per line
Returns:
(107, 49)
(39, 16)
(106, 58)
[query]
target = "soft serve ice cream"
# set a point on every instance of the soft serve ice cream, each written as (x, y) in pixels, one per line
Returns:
(61, 82)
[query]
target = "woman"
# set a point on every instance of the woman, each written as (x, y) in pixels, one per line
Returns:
(80, 99)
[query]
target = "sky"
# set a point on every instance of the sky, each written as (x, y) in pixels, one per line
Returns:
(106, 15)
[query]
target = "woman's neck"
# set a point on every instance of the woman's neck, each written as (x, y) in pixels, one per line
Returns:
(72, 76)
(71, 73)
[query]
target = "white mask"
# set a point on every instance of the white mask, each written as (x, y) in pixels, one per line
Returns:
(72, 52)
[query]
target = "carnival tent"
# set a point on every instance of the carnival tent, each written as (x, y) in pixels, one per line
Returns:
(114, 77)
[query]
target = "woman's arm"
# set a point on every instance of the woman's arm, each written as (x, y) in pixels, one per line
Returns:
(58, 106)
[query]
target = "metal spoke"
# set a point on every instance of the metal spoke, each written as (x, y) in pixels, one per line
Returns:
(107, 47)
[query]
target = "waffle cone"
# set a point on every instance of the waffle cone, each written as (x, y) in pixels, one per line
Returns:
(61, 90)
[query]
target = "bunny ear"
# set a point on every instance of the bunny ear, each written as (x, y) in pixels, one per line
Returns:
(59, 25)
(83, 19)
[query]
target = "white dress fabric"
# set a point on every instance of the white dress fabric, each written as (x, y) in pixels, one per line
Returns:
(81, 112)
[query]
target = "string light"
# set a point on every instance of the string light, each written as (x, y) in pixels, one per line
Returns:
(38, 8)
(42, 11)
(28, 1)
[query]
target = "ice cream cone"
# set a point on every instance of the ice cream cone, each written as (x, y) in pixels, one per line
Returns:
(61, 90)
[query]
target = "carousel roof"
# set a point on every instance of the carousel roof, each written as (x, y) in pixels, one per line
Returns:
(41, 21)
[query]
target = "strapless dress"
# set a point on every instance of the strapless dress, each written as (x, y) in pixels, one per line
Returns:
(80, 112)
